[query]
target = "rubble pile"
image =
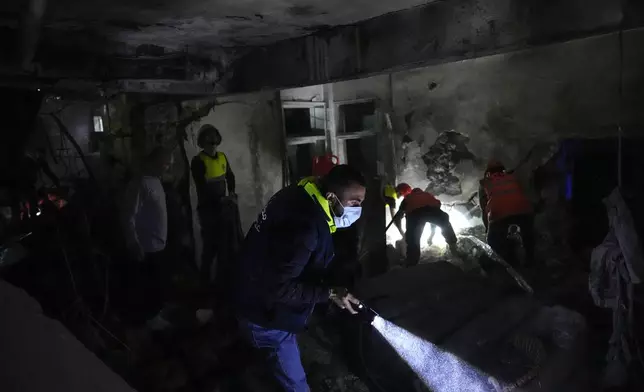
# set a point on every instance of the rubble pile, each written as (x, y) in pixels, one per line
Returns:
(323, 361)
(441, 159)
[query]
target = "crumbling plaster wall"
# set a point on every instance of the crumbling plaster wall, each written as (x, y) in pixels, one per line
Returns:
(111, 155)
(47, 139)
(250, 127)
(508, 104)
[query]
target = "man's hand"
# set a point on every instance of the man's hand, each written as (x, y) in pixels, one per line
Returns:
(343, 299)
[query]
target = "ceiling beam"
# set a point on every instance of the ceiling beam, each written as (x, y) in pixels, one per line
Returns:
(436, 33)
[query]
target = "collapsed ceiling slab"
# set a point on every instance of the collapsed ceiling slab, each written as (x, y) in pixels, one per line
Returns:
(212, 23)
(439, 32)
(192, 40)
(203, 47)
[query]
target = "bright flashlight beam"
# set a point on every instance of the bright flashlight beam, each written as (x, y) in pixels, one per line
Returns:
(458, 221)
(439, 370)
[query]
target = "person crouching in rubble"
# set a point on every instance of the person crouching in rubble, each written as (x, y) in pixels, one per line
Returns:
(390, 195)
(145, 230)
(421, 208)
(504, 203)
(212, 176)
(281, 272)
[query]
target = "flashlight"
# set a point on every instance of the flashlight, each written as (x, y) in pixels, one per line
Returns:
(365, 313)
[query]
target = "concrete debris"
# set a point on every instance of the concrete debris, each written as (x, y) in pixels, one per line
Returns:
(322, 358)
(441, 159)
(475, 326)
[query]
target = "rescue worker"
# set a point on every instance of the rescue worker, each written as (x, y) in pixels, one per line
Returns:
(281, 274)
(504, 203)
(146, 229)
(390, 195)
(403, 190)
(212, 176)
(421, 208)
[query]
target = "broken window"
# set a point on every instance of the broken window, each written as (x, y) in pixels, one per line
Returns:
(300, 122)
(357, 128)
(306, 136)
(345, 129)
(300, 159)
(357, 117)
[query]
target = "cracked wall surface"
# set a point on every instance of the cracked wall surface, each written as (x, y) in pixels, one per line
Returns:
(250, 125)
(511, 107)
(252, 140)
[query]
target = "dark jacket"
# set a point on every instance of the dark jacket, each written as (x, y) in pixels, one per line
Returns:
(282, 267)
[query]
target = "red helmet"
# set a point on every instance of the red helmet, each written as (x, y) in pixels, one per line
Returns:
(403, 189)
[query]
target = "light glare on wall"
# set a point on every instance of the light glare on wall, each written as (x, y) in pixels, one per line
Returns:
(98, 124)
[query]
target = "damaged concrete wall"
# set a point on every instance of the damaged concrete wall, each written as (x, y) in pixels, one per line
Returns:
(51, 143)
(111, 155)
(134, 124)
(503, 106)
(250, 127)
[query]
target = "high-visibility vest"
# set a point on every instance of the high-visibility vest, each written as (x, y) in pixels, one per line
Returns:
(504, 197)
(304, 180)
(390, 193)
(313, 191)
(215, 173)
(216, 166)
(420, 199)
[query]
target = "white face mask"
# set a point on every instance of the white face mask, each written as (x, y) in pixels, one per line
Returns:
(349, 217)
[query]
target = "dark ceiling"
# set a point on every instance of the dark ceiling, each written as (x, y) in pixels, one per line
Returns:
(217, 46)
(122, 25)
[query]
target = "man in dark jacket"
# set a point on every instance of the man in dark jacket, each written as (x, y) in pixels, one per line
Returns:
(282, 268)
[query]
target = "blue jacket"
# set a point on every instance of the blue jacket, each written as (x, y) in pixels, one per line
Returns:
(282, 267)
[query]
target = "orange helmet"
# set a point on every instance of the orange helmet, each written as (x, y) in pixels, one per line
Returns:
(403, 189)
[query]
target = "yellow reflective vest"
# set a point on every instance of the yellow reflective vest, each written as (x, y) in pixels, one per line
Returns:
(215, 173)
(216, 166)
(313, 191)
(390, 194)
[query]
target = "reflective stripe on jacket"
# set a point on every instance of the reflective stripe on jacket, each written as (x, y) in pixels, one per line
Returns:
(504, 197)
(419, 199)
(313, 191)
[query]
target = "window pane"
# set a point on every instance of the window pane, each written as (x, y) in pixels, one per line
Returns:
(358, 117)
(304, 122)
(300, 159)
